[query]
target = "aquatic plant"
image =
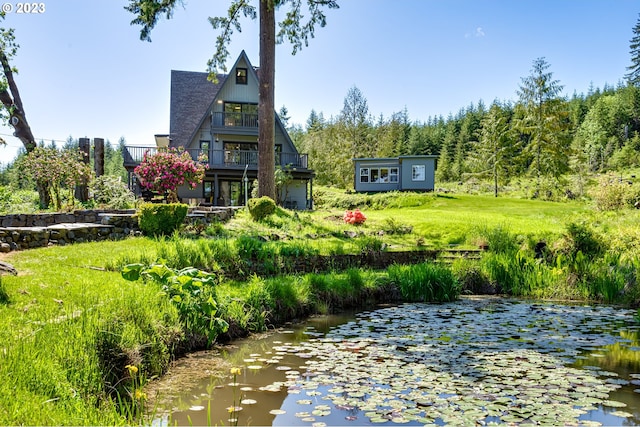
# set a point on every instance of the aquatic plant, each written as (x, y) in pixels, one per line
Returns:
(426, 282)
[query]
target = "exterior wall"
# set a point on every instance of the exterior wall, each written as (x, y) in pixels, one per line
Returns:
(376, 164)
(296, 195)
(407, 178)
(232, 92)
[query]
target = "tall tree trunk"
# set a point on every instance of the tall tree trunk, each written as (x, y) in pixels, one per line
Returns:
(266, 107)
(13, 103)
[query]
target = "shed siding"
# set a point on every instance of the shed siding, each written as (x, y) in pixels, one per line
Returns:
(408, 164)
(376, 164)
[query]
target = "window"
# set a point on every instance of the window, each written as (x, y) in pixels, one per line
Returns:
(241, 76)
(364, 174)
(393, 174)
(379, 175)
(418, 173)
(207, 187)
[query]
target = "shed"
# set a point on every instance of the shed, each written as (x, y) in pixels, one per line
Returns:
(408, 173)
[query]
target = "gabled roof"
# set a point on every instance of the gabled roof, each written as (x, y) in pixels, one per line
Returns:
(192, 95)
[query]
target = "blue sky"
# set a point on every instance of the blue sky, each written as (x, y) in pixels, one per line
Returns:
(83, 70)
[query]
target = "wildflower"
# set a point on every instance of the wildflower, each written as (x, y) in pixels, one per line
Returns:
(132, 369)
(139, 394)
(236, 371)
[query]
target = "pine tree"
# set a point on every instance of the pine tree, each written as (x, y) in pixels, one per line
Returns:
(633, 76)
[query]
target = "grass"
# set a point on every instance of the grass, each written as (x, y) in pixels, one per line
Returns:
(70, 324)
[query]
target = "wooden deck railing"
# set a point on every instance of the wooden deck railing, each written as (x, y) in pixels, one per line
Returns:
(133, 155)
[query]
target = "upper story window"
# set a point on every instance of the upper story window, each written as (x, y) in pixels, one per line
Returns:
(241, 76)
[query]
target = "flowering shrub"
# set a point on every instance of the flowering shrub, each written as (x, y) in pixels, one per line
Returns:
(164, 171)
(354, 217)
(54, 171)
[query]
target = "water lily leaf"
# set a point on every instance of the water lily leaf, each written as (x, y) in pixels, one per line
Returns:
(248, 401)
(622, 414)
(614, 404)
(277, 412)
(196, 408)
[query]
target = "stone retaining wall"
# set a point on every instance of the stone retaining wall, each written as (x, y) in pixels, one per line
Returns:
(25, 231)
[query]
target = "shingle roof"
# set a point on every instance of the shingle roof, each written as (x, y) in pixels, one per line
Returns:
(191, 96)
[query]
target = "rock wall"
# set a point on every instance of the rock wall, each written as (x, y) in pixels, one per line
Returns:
(26, 231)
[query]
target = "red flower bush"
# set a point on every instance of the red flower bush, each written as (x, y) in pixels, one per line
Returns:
(164, 171)
(354, 217)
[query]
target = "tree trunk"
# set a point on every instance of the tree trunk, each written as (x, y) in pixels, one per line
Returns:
(266, 106)
(13, 103)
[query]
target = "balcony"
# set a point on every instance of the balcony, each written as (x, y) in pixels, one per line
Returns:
(234, 120)
(217, 159)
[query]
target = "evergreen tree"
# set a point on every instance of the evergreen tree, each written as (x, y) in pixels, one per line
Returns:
(495, 147)
(543, 121)
(633, 76)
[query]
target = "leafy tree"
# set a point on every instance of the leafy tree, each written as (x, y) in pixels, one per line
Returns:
(542, 120)
(633, 76)
(165, 171)
(54, 170)
(292, 28)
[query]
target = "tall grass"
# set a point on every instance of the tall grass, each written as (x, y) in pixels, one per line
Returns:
(425, 282)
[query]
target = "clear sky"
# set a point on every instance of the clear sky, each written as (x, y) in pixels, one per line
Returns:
(84, 72)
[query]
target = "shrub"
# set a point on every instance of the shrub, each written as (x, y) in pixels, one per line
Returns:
(261, 207)
(167, 170)
(613, 193)
(109, 191)
(161, 219)
(354, 217)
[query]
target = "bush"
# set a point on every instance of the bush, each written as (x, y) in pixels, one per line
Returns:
(613, 193)
(261, 207)
(160, 219)
(109, 191)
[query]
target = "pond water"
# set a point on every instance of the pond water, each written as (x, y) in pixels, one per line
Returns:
(478, 361)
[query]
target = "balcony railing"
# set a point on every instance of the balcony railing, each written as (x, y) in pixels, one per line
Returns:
(133, 155)
(243, 120)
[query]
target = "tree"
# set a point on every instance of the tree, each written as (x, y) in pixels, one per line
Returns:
(292, 28)
(13, 112)
(633, 76)
(495, 147)
(542, 119)
(54, 170)
(354, 119)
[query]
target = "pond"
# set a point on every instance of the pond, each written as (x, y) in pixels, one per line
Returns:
(478, 361)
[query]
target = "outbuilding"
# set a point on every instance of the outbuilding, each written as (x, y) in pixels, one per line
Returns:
(408, 173)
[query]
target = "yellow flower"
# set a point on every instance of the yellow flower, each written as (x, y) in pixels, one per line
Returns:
(230, 409)
(236, 371)
(139, 395)
(132, 369)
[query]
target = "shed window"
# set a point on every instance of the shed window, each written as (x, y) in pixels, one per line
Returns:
(241, 76)
(379, 175)
(418, 173)
(364, 174)
(393, 174)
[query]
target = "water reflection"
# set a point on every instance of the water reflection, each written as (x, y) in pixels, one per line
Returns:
(474, 361)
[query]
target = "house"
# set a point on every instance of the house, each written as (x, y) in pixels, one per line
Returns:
(408, 173)
(220, 121)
